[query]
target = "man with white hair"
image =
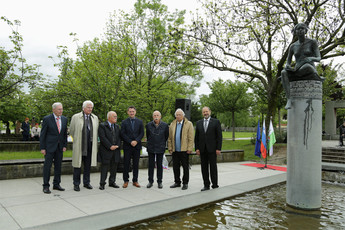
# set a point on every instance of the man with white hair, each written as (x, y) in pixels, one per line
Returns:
(84, 131)
(180, 145)
(53, 142)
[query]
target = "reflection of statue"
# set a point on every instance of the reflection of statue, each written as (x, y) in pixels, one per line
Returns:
(306, 52)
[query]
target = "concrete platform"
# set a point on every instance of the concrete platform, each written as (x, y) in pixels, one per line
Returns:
(23, 205)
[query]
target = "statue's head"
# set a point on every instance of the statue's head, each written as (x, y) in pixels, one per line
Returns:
(300, 25)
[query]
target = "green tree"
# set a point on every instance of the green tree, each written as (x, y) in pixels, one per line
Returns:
(251, 38)
(135, 64)
(228, 96)
(15, 73)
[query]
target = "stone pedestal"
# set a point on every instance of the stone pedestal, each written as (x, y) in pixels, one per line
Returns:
(304, 145)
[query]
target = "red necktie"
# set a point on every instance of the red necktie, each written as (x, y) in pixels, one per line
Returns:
(58, 124)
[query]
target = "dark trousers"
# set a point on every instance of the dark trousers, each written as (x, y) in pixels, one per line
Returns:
(104, 171)
(209, 166)
(129, 154)
(181, 158)
(159, 159)
(86, 160)
(49, 158)
(341, 143)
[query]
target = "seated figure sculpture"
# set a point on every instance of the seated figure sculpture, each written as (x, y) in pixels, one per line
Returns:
(306, 52)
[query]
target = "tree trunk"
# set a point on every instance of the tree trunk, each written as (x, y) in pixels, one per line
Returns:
(8, 130)
(233, 125)
(279, 121)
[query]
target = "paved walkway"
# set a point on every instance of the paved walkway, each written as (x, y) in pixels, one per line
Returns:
(24, 205)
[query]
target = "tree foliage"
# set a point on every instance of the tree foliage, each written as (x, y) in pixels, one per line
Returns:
(15, 73)
(228, 97)
(251, 37)
(134, 64)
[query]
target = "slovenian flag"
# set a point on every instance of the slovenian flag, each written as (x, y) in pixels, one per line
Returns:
(271, 139)
(263, 147)
(258, 142)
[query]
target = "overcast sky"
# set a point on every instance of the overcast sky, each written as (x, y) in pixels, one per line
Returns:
(47, 24)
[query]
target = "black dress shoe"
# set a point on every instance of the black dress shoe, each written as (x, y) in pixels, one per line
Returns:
(101, 187)
(149, 185)
(114, 185)
(175, 185)
(205, 189)
(185, 186)
(215, 186)
(76, 188)
(160, 185)
(58, 187)
(46, 190)
(88, 186)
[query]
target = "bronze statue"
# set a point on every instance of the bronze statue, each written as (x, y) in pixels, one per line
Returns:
(306, 52)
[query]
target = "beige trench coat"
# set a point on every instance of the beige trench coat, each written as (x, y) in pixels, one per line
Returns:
(187, 138)
(76, 130)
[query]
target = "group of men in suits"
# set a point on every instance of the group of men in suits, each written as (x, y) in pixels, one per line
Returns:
(85, 130)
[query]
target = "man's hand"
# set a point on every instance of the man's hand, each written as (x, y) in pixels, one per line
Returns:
(197, 152)
(189, 152)
(43, 151)
(113, 147)
(64, 149)
(218, 152)
(134, 143)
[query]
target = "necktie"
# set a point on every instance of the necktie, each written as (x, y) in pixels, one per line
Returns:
(58, 124)
(205, 125)
(132, 123)
(87, 122)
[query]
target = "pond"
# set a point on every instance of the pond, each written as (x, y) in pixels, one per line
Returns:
(262, 209)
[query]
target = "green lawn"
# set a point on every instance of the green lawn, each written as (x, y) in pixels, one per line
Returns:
(27, 155)
(228, 135)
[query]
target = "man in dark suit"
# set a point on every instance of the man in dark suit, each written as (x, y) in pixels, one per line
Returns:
(53, 142)
(208, 144)
(132, 131)
(109, 149)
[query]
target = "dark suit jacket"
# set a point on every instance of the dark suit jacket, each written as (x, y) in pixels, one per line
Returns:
(128, 134)
(106, 139)
(50, 139)
(212, 139)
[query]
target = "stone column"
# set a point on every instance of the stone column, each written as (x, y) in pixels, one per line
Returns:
(304, 145)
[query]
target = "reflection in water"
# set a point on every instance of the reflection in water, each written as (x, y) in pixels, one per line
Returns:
(263, 209)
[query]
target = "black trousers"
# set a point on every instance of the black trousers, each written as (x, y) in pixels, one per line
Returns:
(159, 159)
(129, 154)
(181, 158)
(341, 143)
(105, 168)
(209, 167)
(49, 158)
(86, 160)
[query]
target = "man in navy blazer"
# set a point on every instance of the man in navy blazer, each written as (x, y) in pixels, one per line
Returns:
(132, 131)
(53, 142)
(208, 144)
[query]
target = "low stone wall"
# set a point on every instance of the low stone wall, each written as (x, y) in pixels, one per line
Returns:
(15, 169)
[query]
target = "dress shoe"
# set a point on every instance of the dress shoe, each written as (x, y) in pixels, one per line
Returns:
(88, 186)
(46, 190)
(136, 184)
(175, 185)
(58, 187)
(101, 187)
(205, 189)
(160, 185)
(215, 186)
(184, 186)
(125, 185)
(114, 185)
(76, 188)
(149, 185)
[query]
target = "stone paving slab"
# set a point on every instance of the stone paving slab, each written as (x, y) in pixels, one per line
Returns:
(24, 205)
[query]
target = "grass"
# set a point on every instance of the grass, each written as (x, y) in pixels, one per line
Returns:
(27, 155)
(228, 135)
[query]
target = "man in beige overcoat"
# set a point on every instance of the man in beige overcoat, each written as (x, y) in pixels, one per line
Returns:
(180, 145)
(84, 131)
